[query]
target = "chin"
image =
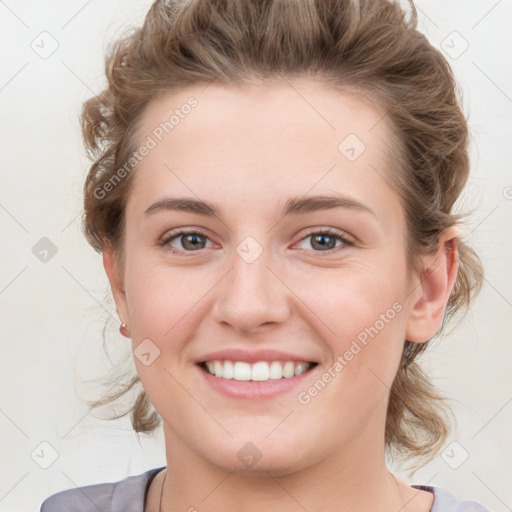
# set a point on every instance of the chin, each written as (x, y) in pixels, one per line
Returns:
(258, 456)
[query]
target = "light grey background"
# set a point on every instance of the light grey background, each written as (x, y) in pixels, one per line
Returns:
(52, 313)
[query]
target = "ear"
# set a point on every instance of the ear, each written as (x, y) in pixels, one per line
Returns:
(433, 289)
(115, 276)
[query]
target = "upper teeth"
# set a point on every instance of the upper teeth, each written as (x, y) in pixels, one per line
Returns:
(261, 370)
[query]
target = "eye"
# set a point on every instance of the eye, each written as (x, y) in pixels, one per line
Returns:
(190, 241)
(322, 240)
(325, 240)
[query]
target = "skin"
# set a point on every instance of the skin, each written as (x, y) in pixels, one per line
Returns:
(248, 150)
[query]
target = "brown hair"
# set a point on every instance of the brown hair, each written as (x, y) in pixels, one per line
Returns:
(368, 47)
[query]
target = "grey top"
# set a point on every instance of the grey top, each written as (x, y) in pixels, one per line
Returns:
(129, 495)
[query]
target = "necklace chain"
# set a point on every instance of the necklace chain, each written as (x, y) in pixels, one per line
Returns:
(162, 493)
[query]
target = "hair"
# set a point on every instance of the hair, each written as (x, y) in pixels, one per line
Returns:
(366, 47)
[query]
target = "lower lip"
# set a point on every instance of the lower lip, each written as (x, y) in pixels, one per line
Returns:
(249, 389)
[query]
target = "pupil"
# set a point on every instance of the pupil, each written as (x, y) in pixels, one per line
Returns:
(192, 239)
(318, 239)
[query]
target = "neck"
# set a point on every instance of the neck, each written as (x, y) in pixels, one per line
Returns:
(355, 480)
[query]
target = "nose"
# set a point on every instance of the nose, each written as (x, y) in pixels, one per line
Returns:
(252, 297)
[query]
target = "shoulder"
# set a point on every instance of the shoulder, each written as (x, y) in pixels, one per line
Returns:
(445, 501)
(126, 495)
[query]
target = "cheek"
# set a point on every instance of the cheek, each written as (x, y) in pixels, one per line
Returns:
(160, 298)
(365, 323)
(162, 302)
(365, 351)
(356, 303)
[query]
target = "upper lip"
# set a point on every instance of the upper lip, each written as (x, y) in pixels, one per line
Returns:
(252, 356)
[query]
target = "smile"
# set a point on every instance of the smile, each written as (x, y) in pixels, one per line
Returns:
(259, 371)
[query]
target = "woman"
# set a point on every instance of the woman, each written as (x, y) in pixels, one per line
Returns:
(272, 193)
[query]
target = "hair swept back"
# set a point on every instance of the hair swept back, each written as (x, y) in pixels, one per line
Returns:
(370, 47)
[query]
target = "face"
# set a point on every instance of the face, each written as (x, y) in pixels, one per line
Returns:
(294, 259)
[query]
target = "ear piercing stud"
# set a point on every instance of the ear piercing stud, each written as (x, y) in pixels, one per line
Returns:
(123, 330)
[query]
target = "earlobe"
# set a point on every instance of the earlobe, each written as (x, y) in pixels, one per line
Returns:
(436, 283)
(114, 274)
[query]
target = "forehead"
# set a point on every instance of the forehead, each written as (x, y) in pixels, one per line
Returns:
(261, 141)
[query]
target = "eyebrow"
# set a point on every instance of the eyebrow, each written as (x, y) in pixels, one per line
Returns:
(295, 206)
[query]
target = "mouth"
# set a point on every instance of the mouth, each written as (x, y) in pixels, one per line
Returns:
(259, 371)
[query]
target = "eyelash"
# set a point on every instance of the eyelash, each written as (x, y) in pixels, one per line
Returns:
(322, 231)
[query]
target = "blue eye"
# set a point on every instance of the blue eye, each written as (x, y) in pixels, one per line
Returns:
(193, 241)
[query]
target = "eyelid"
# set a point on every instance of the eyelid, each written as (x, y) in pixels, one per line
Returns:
(338, 233)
